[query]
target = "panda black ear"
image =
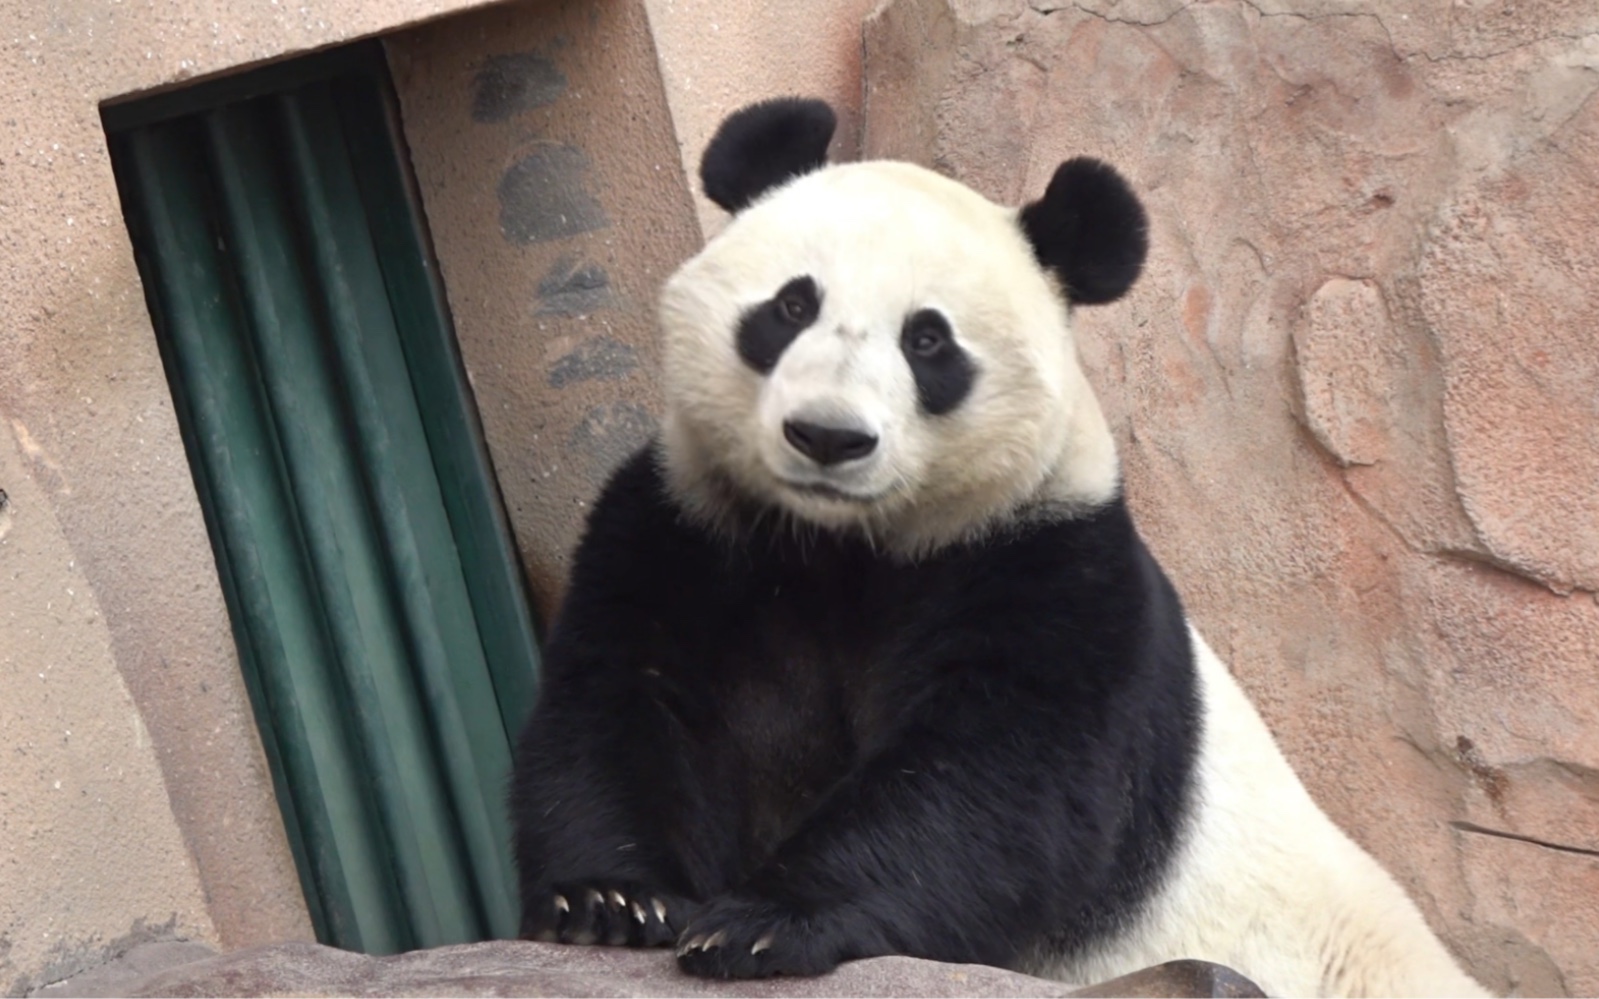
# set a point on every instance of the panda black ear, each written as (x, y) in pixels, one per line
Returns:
(1090, 230)
(764, 145)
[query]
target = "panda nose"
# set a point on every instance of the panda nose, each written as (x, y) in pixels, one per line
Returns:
(828, 445)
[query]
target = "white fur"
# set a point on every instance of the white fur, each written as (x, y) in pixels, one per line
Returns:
(882, 240)
(1263, 881)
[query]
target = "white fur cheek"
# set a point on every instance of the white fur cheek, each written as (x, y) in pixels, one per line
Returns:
(905, 466)
(995, 436)
(699, 356)
(766, 429)
(711, 395)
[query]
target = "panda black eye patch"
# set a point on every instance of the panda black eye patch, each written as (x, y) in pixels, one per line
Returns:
(766, 330)
(944, 372)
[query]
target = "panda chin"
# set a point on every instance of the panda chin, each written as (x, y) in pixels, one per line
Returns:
(821, 490)
(828, 507)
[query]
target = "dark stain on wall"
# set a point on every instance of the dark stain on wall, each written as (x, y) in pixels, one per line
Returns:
(543, 196)
(608, 435)
(598, 359)
(568, 289)
(508, 85)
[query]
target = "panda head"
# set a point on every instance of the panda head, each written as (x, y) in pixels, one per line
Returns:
(873, 346)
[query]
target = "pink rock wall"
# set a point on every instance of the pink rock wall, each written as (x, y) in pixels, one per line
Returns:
(1357, 391)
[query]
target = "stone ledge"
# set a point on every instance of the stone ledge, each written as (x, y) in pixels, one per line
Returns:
(514, 968)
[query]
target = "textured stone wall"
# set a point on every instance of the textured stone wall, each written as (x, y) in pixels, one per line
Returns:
(1357, 392)
(544, 152)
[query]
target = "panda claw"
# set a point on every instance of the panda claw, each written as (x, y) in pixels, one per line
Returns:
(764, 943)
(561, 904)
(715, 940)
(617, 899)
(638, 914)
(694, 944)
(660, 909)
(595, 898)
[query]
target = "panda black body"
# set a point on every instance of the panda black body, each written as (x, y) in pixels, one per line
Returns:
(865, 655)
(824, 727)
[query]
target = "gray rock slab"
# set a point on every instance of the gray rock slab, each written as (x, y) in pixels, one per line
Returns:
(116, 977)
(515, 968)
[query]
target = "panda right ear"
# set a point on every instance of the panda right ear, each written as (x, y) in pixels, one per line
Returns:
(1090, 230)
(763, 145)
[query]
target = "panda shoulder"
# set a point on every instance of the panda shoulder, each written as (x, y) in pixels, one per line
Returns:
(635, 530)
(634, 502)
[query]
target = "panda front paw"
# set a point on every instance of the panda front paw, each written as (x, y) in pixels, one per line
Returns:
(742, 937)
(618, 914)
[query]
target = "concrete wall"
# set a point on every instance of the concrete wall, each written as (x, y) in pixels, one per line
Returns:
(90, 854)
(154, 817)
(544, 151)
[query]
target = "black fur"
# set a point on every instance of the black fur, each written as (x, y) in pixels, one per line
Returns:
(811, 752)
(944, 372)
(766, 330)
(763, 145)
(1090, 230)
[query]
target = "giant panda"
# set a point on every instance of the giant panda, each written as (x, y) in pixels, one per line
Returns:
(865, 656)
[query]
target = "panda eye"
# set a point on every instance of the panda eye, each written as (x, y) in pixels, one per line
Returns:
(927, 334)
(766, 329)
(793, 308)
(797, 303)
(944, 372)
(925, 342)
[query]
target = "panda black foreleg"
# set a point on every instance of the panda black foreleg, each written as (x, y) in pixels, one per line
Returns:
(919, 853)
(591, 870)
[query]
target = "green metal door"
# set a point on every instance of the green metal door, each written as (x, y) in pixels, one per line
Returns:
(374, 591)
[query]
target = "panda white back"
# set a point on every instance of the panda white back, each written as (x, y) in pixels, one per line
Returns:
(1266, 883)
(866, 656)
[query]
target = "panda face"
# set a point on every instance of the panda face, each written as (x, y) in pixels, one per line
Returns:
(873, 345)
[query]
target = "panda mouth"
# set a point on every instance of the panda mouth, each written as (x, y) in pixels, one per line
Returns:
(824, 491)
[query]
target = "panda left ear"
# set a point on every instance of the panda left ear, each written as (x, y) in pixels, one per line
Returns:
(764, 145)
(1090, 230)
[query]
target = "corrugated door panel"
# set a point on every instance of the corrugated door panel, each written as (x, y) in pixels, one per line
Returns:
(505, 626)
(374, 591)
